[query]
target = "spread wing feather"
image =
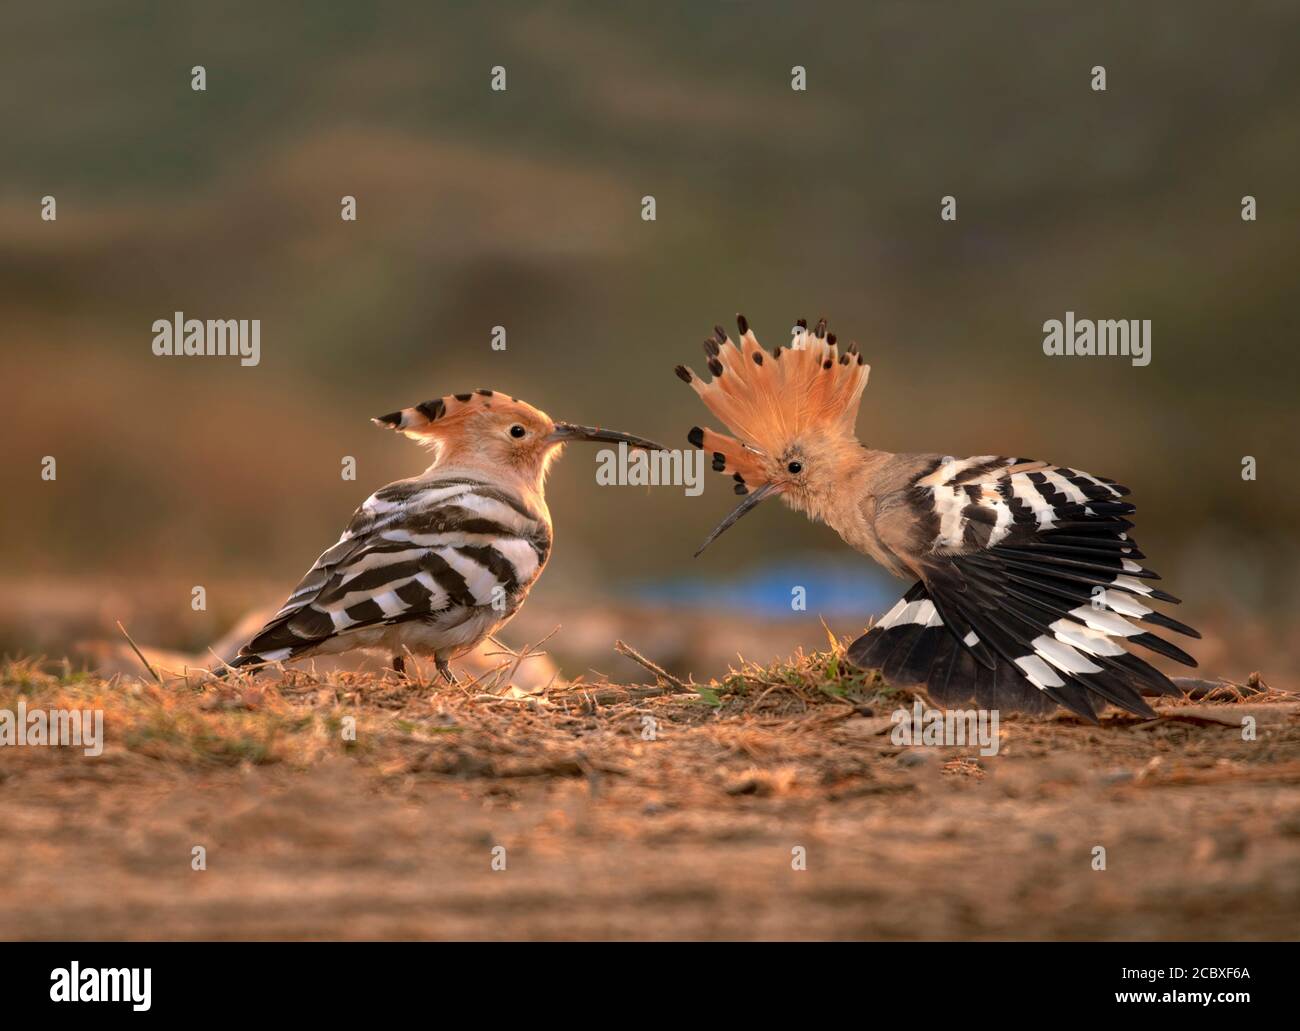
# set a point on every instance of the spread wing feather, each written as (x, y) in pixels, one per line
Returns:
(1028, 592)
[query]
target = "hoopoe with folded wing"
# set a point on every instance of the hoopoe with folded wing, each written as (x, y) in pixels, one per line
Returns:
(436, 563)
(1026, 577)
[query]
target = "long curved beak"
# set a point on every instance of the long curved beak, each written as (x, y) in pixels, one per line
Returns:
(751, 502)
(567, 431)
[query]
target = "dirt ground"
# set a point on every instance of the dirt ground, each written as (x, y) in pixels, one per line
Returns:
(637, 813)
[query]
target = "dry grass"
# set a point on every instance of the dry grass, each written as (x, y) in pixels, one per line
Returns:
(300, 718)
(362, 805)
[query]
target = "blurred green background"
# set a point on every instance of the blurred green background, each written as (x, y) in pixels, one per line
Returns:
(522, 209)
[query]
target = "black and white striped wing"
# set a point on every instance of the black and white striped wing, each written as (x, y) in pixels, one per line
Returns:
(438, 551)
(1030, 591)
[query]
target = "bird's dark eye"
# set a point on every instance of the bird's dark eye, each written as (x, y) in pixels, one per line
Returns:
(795, 467)
(517, 431)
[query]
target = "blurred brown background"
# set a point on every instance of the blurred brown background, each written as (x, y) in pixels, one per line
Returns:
(522, 209)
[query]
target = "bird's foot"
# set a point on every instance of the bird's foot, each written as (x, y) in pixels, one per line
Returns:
(446, 672)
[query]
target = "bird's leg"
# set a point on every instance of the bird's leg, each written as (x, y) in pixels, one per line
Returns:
(445, 670)
(399, 664)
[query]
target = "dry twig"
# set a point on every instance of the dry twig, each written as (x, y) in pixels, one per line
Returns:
(625, 649)
(135, 648)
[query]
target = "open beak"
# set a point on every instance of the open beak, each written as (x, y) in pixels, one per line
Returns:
(567, 431)
(751, 502)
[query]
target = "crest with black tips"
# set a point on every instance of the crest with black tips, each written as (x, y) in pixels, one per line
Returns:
(428, 417)
(809, 386)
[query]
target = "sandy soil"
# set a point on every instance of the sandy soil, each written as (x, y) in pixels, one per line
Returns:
(609, 835)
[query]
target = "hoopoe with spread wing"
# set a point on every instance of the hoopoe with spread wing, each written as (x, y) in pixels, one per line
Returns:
(436, 563)
(1026, 578)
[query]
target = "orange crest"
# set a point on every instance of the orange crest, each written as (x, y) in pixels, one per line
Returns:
(429, 419)
(806, 389)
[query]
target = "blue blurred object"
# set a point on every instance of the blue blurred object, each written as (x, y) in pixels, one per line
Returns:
(850, 588)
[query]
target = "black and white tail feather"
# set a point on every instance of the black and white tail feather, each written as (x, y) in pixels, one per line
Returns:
(1029, 586)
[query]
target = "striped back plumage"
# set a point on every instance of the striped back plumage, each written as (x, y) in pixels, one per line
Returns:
(438, 551)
